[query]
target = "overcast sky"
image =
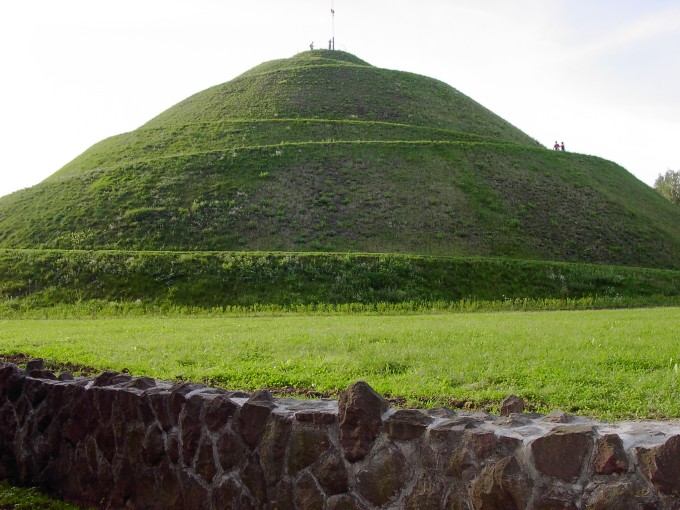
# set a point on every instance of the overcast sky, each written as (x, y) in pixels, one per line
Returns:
(601, 75)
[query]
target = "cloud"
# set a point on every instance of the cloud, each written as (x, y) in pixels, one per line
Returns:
(623, 37)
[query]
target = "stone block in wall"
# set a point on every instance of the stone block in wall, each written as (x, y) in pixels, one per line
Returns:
(661, 465)
(254, 416)
(610, 457)
(252, 476)
(133, 441)
(11, 383)
(146, 490)
(344, 502)
(628, 493)
(178, 398)
(441, 412)
(512, 404)
(284, 496)
(558, 417)
(307, 493)
(8, 430)
(205, 464)
(502, 485)
(43, 374)
(561, 452)
(126, 406)
(483, 443)
(218, 411)
(168, 488)
(227, 493)
(273, 445)
(159, 401)
(153, 445)
(124, 483)
(35, 391)
(307, 444)
(316, 417)
(141, 383)
(104, 402)
(230, 449)
(360, 411)
(191, 428)
(35, 364)
(384, 477)
(441, 443)
(407, 424)
(195, 494)
(457, 497)
(106, 441)
(172, 446)
(426, 494)
(331, 473)
(111, 378)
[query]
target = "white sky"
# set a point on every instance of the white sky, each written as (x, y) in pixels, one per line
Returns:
(601, 75)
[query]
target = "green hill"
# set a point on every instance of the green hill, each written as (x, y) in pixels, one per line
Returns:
(323, 152)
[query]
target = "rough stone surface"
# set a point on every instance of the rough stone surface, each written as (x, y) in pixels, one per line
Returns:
(407, 424)
(627, 494)
(306, 446)
(253, 418)
(344, 502)
(360, 411)
(35, 364)
(610, 457)
(384, 477)
(502, 485)
(308, 494)
(512, 404)
(661, 465)
(331, 473)
(561, 452)
(116, 441)
(426, 494)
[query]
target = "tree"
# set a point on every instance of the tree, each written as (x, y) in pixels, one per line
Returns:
(669, 186)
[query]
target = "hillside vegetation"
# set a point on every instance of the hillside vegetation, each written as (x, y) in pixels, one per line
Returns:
(323, 152)
(224, 282)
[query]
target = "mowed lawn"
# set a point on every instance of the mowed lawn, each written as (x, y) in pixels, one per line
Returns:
(613, 364)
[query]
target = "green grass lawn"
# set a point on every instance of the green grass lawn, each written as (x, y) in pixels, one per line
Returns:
(613, 364)
(26, 498)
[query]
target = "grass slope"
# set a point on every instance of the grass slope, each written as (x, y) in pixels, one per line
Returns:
(329, 85)
(439, 198)
(199, 280)
(323, 152)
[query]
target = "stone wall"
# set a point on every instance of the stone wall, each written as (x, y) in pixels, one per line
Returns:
(115, 441)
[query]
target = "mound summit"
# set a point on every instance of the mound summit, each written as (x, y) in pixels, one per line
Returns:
(324, 152)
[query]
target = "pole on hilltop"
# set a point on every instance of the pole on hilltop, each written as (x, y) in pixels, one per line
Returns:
(332, 25)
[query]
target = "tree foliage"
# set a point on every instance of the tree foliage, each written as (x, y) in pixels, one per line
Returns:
(669, 186)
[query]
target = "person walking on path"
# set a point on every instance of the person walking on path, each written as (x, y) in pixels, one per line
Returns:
(562, 147)
(556, 146)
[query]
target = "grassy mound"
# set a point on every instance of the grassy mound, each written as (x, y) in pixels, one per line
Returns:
(464, 199)
(324, 152)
